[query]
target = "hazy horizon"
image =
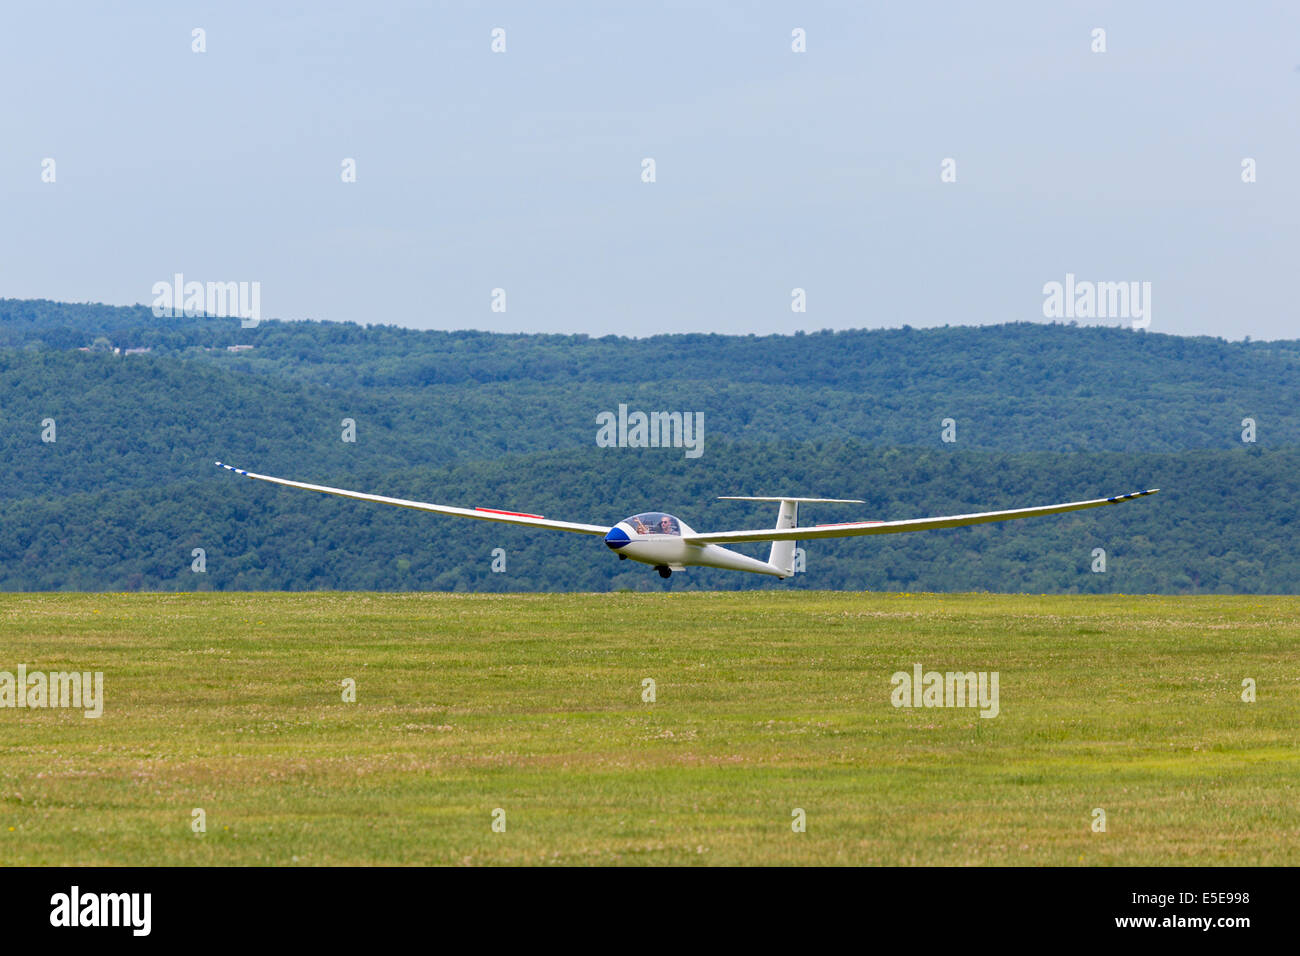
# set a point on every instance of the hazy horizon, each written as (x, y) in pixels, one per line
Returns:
(790, 332)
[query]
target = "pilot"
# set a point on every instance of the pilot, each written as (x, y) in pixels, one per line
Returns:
(667, 525)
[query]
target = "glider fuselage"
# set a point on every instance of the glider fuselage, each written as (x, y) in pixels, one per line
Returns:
(655, 538)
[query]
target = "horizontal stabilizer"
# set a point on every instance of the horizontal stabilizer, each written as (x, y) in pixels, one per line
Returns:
(824, 501)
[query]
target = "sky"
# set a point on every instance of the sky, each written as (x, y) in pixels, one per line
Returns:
(774, 170)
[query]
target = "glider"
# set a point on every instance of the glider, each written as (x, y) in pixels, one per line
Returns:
(669, 544)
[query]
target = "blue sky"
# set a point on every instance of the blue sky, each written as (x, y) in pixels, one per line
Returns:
(775, 170)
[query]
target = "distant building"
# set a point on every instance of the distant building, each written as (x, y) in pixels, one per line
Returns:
(238, 348)
(147, 348)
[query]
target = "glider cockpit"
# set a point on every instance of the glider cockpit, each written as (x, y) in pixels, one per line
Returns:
(654, 522)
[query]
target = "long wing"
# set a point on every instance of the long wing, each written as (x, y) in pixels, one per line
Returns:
(897, 527)
(482, 514)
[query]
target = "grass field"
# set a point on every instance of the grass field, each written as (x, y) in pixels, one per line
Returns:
(765, 702)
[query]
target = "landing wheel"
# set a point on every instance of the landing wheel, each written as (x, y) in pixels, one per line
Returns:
(664, 570)
(622, 557)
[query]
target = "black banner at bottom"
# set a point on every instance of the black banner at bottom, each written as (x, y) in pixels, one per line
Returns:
(930, 905)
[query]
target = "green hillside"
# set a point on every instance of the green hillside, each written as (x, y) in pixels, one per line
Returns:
(1043, 413)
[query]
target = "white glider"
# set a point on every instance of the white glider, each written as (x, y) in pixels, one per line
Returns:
(669, 544)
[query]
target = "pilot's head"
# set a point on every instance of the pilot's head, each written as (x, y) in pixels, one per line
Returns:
(666, 525)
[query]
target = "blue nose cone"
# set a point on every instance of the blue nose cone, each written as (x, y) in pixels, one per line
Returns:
(616, 538)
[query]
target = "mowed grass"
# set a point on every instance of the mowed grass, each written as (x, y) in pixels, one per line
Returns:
(766, 702)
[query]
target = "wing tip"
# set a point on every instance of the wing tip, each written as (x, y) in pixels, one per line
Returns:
(1131, 495)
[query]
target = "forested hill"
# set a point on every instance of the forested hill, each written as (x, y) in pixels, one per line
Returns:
(1040, 413)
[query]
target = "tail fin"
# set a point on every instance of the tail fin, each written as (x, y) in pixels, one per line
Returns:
(782, 555)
